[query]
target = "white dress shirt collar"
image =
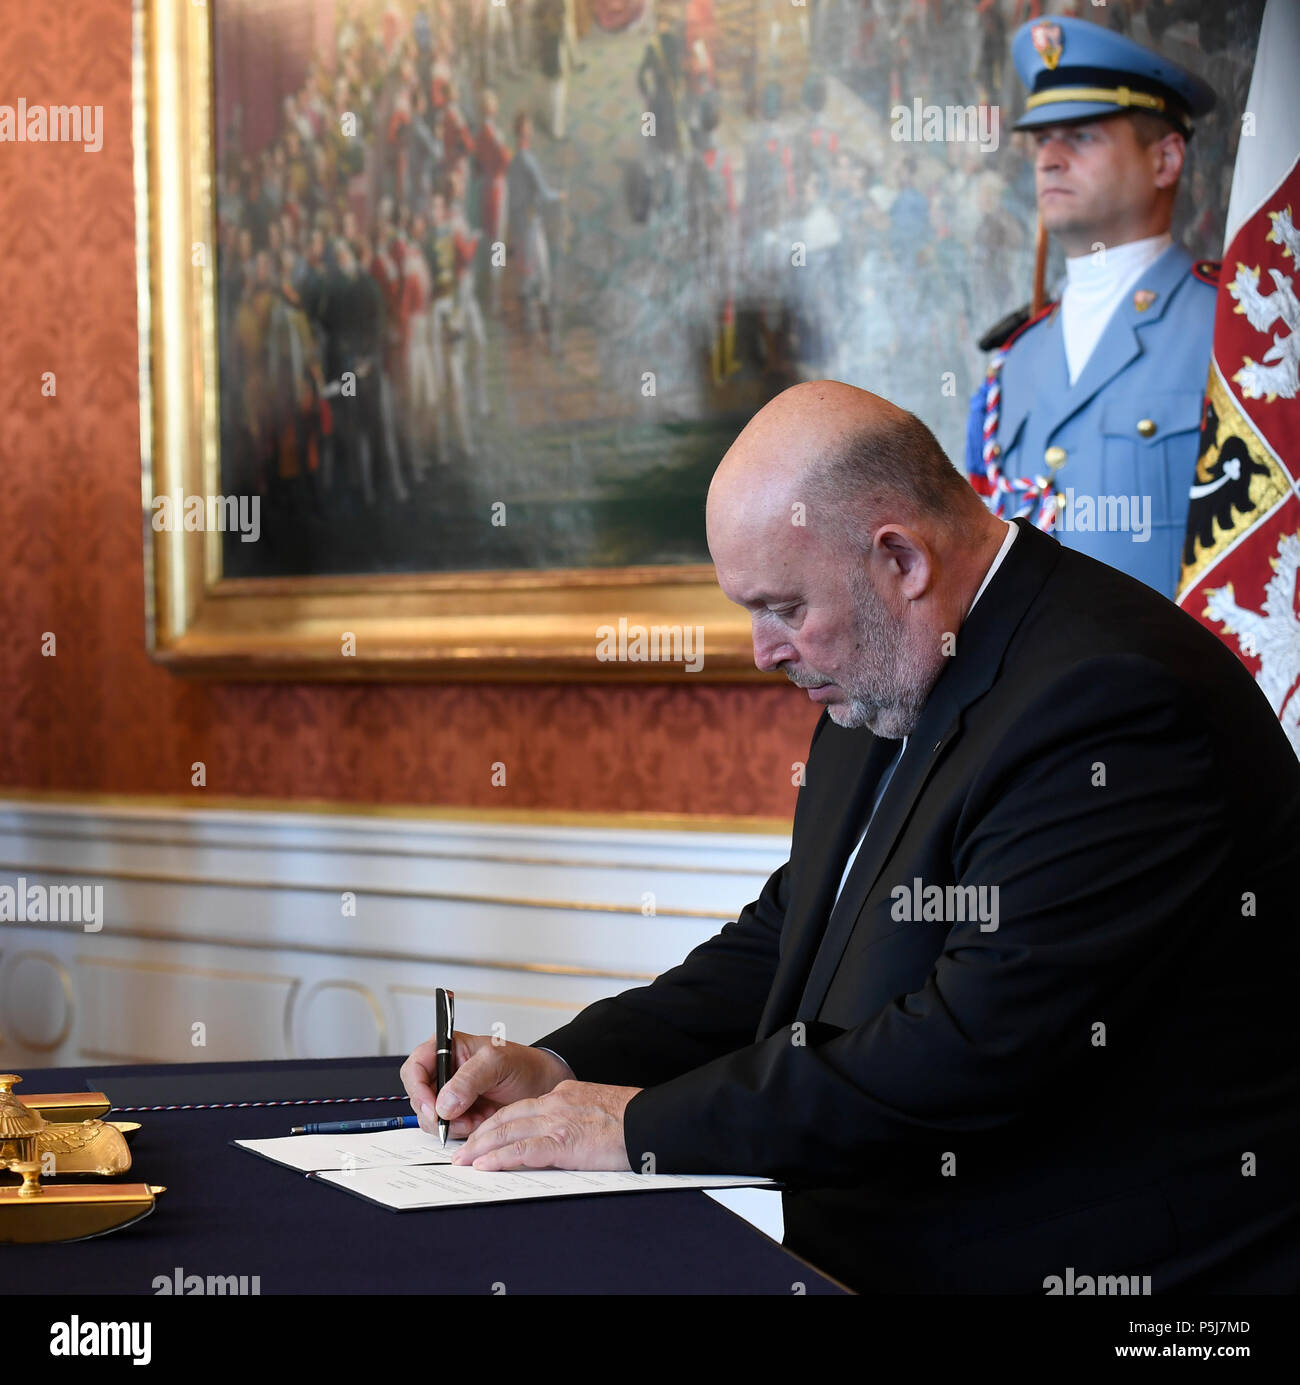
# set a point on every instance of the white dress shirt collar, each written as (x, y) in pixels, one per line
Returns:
(997, 562)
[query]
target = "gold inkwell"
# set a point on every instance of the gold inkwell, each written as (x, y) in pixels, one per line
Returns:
(30, 1145)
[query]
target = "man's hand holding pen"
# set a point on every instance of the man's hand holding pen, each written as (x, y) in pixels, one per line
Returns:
(518, 1107)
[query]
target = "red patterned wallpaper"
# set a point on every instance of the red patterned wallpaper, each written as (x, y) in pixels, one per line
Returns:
(99, 717)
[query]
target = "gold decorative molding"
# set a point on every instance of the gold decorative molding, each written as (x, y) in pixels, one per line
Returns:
(184, 968)
(413, 853)
(158, 877)
(364, 954)
(493, 998)
(183, 804)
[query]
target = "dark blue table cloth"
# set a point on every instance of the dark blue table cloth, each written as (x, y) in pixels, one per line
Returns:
(227, 1212)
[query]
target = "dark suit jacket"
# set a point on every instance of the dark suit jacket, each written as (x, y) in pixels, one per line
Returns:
(1107, 1081)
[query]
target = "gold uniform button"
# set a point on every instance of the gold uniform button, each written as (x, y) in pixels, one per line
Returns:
(1054, 457)
(1147, 427)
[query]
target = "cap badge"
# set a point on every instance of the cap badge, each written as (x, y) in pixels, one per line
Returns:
(1048, 43)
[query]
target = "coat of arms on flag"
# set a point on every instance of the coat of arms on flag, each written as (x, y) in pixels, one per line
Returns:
(1242, 551)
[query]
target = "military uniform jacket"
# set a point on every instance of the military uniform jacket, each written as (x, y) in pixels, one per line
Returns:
(1128, 427)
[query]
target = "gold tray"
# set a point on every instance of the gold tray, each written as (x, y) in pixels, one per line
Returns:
(30, 1214)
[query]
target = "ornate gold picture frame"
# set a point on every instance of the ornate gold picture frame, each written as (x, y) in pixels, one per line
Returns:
(634, 623)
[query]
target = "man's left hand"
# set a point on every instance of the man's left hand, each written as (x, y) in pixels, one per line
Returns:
(576, 1125)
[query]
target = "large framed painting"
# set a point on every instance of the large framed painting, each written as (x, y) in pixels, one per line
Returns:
(449, 308)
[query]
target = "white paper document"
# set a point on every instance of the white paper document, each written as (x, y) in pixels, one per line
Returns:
(369, 1150)
(448, 1185)
(408, 1169)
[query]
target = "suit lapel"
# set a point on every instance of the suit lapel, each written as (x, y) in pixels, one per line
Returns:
(1051, 374)
(1115, 348)
(981, 646)
(1119, 344)
(849, 794)
(938, 725)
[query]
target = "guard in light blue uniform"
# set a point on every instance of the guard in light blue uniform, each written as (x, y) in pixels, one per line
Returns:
(1106, 461)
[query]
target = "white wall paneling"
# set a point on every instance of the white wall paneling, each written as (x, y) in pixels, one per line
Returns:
(234, 921)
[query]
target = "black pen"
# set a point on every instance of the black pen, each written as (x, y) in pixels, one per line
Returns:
(445, 1005)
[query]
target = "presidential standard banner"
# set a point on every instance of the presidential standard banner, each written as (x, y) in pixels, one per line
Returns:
(1242, 550)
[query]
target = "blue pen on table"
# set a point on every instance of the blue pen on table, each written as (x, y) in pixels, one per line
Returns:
(354, 1127)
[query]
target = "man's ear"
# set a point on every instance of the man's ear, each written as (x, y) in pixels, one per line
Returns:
(1169, 153)
(908, 563)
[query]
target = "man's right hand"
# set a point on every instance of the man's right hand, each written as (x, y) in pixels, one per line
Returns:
(485, 1077)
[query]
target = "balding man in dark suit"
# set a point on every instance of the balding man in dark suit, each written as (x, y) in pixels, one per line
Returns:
(1020, 1004)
